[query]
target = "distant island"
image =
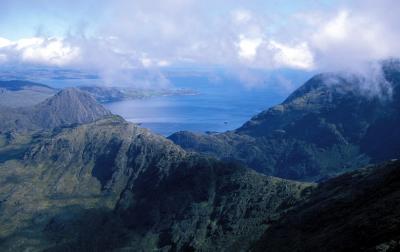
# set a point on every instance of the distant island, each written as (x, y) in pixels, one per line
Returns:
(21, 93)
(113, 94)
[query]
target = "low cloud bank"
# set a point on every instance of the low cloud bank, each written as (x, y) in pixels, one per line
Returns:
(137, 35)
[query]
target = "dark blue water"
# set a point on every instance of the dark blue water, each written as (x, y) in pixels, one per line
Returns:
(224, 102)
(200, 113)
(220, 106)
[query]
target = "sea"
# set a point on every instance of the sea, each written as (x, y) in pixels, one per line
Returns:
(221, 102)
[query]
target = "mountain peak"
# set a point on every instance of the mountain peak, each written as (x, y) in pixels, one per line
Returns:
(69, 106)
(70, 96)
(331, 115)
(72, 93)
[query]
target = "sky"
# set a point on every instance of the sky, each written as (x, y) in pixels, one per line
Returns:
(114, 36)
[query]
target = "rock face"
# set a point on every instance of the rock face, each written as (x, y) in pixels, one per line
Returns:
(328, 126)
(69, 106)
(110, 185)
(358, 211)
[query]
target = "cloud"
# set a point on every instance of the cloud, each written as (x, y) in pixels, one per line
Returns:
(241, 16)
(355, 38)
(35, 50)
(137, 34)
(356, 34)
(51, 51)
(297, 56)
(248, 47)
(4, 42)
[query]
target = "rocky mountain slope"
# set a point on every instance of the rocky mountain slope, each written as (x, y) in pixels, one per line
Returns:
(69, 106)
(358, 211)
(110, 185)
(328, 126)
(86, 180)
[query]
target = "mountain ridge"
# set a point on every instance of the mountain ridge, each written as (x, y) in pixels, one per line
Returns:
(324, 128)
(112, 179)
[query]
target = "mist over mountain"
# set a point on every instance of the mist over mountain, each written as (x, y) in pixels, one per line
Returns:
(327, 126)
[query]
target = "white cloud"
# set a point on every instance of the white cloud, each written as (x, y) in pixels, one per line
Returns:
(52, 52)
(163, 63)
(336, 29)
(28, 43)
(4, 42)
(36, 50)
(354, 36)
(147, 62)
(297, 56)
(139, 34)
(241, 16)
(248, 47)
